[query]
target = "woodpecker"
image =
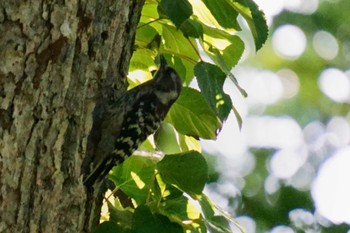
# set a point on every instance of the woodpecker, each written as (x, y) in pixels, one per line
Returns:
(128, 121)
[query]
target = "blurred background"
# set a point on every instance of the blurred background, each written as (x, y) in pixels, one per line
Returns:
(287, 170)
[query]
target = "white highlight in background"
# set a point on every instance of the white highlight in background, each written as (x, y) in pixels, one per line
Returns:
(272, 132)
(264, 87)
(282, 229)
(285, 163)
(325, 45)
(289, 41)
(270, 8)
(301, 6)
(338, 131)
(331, 189)
(335, 84)
(290, 82)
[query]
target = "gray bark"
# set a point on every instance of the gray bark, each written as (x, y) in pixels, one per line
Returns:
(56, 58)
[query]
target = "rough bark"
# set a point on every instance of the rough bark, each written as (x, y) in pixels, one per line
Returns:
(56, 58)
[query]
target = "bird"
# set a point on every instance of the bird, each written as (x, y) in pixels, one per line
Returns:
(124, 124)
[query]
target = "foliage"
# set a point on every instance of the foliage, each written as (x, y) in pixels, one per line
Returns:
(167, 191)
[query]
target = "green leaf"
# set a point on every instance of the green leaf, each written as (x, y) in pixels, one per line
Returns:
(107, 227)
(183, 50)
(169, 141)
(215, 54)
(238, 116)
(211, 81)
(147, 145)
(168, 191)
(188, 171)
(145, 221)
(183, 67)
(120, 217)
(177, 11)
(192, 28)
(187, 70)
(142, 59)
(145, 35)
(135, 176)
(179, 209)
(176, 43)
(223, 12)
(255, 19)
(191, 115)
(183, 211)
(207, 207)
(166, 139)
(232, 53)
(212, 34)
(225, 50)
(188, 143)
(149, 13)
(218, 224)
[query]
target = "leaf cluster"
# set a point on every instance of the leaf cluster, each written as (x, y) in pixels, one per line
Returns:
(166, 196)
(198, 38)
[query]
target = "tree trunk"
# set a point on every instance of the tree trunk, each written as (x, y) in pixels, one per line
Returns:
(56, 59)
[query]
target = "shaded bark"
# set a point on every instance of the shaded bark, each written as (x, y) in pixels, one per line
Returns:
(56, 59)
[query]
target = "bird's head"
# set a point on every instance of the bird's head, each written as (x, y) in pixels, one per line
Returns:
(167, 83)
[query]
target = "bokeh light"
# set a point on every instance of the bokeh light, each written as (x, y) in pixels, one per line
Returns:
(302, 179)
(282, 229)
(290, 82)
(272, 132)
(264, 87)
(301, 218)
(325, 45)
(270, 8)
(338, 131)
(248, 224)
(335, 84)
(301, 6)
(285, 163)
(331, 189)
(289, 41)
(302, 150)
(314, 135)
(271, 184)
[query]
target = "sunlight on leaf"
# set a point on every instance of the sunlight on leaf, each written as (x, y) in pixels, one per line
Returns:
(203, 14)
(138, 181)
(167, 139)
(211, 81)
(188, 171)
(192, 116)
(255, 19)
(190, 143)
(135, 176)
(225, 15)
